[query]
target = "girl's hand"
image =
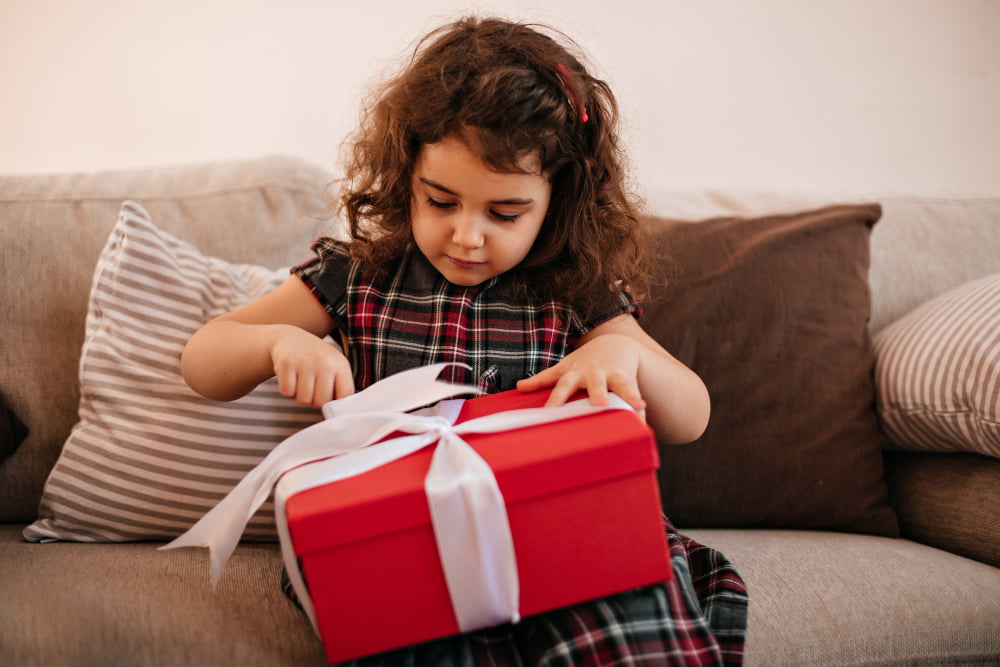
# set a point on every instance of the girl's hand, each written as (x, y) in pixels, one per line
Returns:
(609, 362)
(619, 356)
(281, 333)
(309, 369)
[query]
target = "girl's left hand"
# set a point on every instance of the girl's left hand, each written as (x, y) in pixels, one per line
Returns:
(609, 362)
(617, 355)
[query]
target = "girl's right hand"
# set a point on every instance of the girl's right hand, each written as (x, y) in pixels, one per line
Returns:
(281, 333)
(309, 369)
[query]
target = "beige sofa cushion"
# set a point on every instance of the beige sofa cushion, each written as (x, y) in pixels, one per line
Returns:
(53, 228)
(816, 599)
(129, 604)
(820, 598)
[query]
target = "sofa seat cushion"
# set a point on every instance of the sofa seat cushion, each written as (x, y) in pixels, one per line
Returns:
(821, 598)
(816, 599)
(128, 604)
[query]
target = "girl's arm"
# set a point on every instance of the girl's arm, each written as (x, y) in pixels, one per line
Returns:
(619, 356)
(277, 334)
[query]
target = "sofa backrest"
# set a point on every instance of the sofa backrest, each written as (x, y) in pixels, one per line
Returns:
(266, 211)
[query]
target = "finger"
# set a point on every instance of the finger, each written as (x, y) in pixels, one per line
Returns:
(305, 390)
(286, 383)
(597, 389)
(563, 389)
(343, 384)
(628, 390)
(323, 392)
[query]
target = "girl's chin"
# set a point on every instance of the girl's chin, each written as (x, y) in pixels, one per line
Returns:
(464, 274)
(463, 280)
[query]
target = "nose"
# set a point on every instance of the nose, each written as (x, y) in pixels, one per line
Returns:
(467, 232)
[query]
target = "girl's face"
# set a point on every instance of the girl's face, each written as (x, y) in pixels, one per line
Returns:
(471, 222)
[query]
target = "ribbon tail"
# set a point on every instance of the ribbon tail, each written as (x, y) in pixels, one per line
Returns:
(221, 527)
(473, 536)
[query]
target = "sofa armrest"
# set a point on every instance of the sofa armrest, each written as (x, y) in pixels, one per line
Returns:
(948, 501)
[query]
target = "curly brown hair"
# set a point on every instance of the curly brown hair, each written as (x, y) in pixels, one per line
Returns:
(497, 86)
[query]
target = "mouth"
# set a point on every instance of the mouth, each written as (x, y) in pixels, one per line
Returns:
(462, 263)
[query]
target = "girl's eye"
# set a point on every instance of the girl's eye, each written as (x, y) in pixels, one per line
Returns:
(447, 205)
(504, 218)
(439, 204)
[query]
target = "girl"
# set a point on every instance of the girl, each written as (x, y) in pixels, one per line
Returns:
(490, 225)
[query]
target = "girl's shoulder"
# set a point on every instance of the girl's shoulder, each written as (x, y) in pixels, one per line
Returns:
(329, 247)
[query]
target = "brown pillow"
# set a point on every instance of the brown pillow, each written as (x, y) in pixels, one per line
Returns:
(949, 501)
(772, 313)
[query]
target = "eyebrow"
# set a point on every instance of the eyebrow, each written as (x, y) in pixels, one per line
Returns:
(513, 201)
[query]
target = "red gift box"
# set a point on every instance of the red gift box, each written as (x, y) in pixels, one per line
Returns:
(584, 510)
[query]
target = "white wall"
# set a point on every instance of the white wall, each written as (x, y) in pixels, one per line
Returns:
(801, 94)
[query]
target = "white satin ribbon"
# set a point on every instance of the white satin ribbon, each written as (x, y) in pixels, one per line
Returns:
(467, 510)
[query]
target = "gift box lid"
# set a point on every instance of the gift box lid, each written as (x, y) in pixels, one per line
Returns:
(528, 462)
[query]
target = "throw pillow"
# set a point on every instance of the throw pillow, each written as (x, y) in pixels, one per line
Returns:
(937, 372)
(948, 500)
(148, 456)
(12, 431)
(772, 313)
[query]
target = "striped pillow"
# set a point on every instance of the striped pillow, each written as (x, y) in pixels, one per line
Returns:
(937, 372)
(148, 456)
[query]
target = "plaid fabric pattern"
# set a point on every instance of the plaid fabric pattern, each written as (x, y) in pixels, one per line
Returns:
(414, 317)
(698, 618)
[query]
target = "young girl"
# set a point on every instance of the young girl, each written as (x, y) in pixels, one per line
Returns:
(490, 225)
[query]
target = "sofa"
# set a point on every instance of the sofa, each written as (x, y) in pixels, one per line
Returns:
(850, 469)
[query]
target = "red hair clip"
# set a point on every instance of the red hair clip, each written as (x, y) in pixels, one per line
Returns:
(567, 80)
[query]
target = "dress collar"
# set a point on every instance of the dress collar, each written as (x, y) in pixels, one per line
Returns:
(421, 275)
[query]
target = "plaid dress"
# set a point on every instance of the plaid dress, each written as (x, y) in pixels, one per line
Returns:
(413, 317)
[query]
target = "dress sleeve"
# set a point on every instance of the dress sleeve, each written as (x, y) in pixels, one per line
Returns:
(327, 275)
(618, 304)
